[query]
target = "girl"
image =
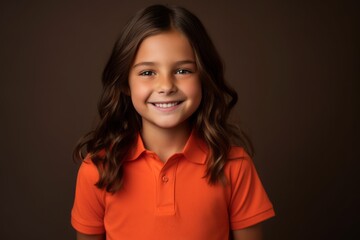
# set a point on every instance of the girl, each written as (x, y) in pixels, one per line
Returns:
(161, 163)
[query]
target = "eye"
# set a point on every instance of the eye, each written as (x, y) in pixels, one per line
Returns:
(147, 73)
(183, 71)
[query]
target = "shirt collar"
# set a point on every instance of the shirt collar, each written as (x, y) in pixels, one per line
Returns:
(195, 149)
(137, 150)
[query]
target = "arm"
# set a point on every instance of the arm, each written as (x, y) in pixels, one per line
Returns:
(81, 236)
(250, 233)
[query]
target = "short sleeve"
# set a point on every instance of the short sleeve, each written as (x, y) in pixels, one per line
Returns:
(87, 215)
(249, 202)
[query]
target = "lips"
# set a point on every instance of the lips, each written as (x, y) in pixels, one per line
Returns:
(165, 105)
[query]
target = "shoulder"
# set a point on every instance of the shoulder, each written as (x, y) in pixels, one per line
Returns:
(239, 163)
(88, 176)
(238, 156)
(88, 171)
(237, 153)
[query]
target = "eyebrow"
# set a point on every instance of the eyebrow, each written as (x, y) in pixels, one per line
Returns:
(150, 64)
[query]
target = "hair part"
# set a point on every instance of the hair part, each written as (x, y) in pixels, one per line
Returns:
(108, 144)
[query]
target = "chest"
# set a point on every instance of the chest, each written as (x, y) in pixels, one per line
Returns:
(172, 196)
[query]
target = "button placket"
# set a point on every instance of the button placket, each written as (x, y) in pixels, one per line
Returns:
(166, 188)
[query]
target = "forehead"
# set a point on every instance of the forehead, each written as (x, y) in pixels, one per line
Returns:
(169, 45)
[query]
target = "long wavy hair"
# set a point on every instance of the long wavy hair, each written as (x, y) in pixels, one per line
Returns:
(108, 144)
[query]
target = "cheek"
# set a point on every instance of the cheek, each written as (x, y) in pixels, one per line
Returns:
(139, 93)
(194, 91)
(137, 102)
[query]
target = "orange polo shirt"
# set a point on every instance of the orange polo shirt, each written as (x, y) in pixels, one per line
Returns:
(171, 200)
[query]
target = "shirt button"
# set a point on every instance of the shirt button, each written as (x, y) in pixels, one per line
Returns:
(165, 179)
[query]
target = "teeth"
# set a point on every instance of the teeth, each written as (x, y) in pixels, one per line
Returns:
(166, 105)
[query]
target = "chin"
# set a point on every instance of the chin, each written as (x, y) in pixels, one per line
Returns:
(171, 125)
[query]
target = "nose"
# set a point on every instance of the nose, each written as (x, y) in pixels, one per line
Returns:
(166, 85)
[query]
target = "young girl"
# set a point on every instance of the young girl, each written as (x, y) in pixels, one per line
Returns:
(162, 162)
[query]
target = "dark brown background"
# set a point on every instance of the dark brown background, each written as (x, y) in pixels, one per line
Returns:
(295, 65)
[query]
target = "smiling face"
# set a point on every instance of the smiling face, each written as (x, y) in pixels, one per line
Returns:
(164, 81)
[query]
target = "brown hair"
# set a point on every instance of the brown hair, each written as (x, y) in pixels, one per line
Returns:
(119, 123)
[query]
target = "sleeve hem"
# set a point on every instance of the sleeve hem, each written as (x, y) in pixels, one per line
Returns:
(86, 229)
(262, 216)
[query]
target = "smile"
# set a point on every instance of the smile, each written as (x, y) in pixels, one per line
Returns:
(166, 105)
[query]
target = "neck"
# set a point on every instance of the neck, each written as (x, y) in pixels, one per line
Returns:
(165, 142)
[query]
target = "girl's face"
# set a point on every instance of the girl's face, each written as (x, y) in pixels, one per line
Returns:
(164, 81)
